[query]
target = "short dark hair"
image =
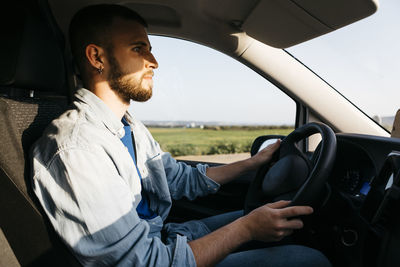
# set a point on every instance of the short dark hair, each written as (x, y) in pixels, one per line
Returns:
(91, 24)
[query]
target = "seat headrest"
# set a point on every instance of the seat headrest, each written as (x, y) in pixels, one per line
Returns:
(31, 57)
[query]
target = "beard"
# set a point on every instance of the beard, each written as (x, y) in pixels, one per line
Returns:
(127, 88)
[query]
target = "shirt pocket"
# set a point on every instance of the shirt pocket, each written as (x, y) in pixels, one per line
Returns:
(156, 179)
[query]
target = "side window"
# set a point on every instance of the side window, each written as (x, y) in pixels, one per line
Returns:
(209, 107)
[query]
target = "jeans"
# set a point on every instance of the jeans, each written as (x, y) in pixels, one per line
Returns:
(261, 254)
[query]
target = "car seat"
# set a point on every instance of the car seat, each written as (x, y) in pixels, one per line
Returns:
(33, 91)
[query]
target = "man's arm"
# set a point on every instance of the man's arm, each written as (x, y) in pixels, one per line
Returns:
(267, 223)
(92, 209)
(226, 173)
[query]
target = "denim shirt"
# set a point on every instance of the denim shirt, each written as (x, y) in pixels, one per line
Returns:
(89, 187)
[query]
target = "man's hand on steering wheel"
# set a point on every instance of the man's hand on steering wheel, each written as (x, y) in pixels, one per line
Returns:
(271, 222)
(294, 176)
(265, 156)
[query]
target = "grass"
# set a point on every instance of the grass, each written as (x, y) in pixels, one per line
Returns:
(217, 140)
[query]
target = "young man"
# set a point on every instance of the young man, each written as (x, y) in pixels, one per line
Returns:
(106, 186)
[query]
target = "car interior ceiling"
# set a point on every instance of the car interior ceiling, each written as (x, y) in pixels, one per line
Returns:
(35, 88)
(33, 91)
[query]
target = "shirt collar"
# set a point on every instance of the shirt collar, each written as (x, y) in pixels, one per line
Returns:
(102, 111)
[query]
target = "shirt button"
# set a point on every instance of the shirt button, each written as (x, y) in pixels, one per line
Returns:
(121, 133)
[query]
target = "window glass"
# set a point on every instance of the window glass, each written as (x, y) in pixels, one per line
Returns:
(361, 61)
(206, 103)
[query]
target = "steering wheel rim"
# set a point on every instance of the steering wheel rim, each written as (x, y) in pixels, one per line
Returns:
(307, 193)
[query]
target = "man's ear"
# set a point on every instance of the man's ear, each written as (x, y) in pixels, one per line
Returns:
(95, 56)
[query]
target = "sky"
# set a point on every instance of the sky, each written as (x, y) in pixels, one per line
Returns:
(196, 83)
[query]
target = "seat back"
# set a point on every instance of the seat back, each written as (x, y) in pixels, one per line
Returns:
(33, 91)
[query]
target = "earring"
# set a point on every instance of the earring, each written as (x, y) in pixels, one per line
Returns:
(100, 70)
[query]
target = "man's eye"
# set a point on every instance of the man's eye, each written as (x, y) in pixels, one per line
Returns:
(136, 49)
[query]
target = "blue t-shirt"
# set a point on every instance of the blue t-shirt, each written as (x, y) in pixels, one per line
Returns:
(143, 208)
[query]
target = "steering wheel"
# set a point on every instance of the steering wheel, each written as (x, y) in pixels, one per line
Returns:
(294, 176)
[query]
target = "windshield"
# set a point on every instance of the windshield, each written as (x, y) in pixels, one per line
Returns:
(361, 61)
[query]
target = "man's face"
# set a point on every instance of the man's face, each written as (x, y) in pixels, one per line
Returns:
(130, 60)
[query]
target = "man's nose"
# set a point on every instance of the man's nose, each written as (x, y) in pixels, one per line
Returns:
(151, 61)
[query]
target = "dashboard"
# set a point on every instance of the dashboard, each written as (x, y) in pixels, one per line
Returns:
(362, 212)
(359, 158)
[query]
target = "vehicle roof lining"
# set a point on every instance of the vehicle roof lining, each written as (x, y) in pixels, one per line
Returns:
(158, 15)
(300, 20)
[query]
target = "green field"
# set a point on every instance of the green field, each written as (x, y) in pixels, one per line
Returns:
(220, 140)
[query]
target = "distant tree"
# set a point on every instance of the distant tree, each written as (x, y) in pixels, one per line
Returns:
(377, 118)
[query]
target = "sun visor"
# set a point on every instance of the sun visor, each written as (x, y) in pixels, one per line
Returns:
(284, 23)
